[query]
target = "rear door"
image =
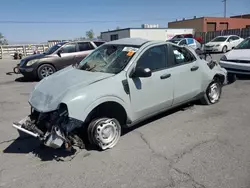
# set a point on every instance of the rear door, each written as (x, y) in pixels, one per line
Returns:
(84, 49)
(185, 73)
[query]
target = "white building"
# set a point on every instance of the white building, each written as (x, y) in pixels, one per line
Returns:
(146, 33)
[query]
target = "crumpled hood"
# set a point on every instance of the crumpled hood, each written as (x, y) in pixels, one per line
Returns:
(239, 54)
(49, 92)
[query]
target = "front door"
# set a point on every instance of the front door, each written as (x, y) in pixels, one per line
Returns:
(67, 56)
(153, 94)
(186, 75)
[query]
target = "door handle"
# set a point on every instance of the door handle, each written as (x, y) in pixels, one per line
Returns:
(194, 68)
(165, 76)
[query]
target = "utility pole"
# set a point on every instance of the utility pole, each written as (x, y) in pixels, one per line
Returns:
(225, 8)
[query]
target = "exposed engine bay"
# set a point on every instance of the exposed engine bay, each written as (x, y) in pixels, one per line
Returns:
(55, 129)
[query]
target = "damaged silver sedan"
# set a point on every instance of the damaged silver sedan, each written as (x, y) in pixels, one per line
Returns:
(118, 85)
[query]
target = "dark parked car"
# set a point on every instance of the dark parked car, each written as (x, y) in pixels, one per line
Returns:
(56, 57)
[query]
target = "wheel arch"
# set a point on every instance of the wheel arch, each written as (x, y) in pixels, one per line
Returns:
(220, 77)
(113, 107)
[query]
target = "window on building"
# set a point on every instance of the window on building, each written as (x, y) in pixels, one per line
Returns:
(114, 37)
(85, 46)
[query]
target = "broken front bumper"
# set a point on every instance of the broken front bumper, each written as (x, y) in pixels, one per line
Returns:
(55, 138)
(19, 127)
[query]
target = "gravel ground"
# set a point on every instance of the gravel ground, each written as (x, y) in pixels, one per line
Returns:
(197, 146)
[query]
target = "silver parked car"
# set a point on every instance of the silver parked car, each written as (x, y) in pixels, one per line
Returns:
(118, 85)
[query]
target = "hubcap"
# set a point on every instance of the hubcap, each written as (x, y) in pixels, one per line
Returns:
(214, 93)
(107, 133)
(46, 71)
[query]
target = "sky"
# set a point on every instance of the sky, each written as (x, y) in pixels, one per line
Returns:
(99, 15)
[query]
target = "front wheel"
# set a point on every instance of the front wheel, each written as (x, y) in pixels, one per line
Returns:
(45, 70)
(224, 49)
(212, 94)
(104, 132)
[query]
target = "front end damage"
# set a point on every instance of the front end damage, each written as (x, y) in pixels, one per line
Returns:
(54, 129)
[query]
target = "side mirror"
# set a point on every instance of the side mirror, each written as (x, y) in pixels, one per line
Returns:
(141, 72)
(59, 53)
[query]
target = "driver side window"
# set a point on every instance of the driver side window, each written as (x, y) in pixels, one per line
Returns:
(153, 58)
(69, 48)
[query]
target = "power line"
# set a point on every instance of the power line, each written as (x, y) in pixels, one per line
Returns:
(86, 22)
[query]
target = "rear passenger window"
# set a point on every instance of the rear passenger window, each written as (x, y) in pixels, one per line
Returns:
(85, 46)
(182, 55)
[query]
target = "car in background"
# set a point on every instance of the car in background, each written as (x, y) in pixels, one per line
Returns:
(181, 36)
(120, 84)
(56, 58)
(187, 42)
(237, 61)
(223, 43)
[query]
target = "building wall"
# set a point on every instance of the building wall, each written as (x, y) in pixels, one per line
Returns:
(232, 23)
(121, 34)
(197, 24)
(211, 24)
(150, 34)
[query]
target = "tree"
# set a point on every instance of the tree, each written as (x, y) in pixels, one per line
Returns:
(3, 40)
(90, 34)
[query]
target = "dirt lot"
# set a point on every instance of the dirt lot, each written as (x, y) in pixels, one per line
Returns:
(197, 146)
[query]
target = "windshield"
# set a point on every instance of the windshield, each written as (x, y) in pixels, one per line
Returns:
(108, 58)
(245, 44)
(53, 48)
(219, 39)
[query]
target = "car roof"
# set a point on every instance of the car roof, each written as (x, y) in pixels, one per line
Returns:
(129, 41)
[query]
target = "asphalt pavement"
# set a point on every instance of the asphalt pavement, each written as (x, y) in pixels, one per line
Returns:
(190, 147)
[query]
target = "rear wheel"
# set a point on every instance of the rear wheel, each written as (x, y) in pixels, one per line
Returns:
(212, 94)
(104, 132)
(45, 70)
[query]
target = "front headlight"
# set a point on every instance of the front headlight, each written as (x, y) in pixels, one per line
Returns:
(31, 62)
(223, 58)
(217, 45)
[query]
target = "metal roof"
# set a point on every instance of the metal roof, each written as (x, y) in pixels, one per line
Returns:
(129, 41)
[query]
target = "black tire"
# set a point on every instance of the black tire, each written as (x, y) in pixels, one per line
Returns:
(231, 78)
(96, 127)
(45, 70)
(207, 99)
(16, 70)
(224, 49)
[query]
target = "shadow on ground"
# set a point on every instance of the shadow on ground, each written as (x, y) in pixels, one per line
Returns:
(24, 79)
(24, 145)
(32, 145)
